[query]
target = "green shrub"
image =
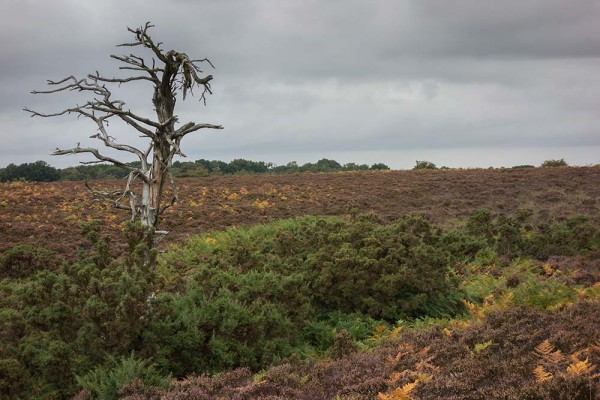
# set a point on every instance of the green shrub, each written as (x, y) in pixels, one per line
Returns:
(23, 260)
(223, 320)
(319, 332)
(481, 224)
(511, 238)
(424, 165)
(523, 166)
(543, 293)
(379, 167)
(104, 382)
(386, 272)
(555, 163)
(14, 378)
(66, 319)
(574, 236)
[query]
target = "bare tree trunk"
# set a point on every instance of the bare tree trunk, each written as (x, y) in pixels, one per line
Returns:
(175, 73)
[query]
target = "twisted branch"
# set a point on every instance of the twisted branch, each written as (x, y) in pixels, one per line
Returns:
(178, 72)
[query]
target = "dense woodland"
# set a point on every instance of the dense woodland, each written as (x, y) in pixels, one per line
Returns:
(428, 284)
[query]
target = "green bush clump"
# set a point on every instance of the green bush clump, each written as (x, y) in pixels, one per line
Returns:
(254, 297)
(511, 237)
(23, 260)
(105, 381)
(424, 165)
(229, 321)
(555, 163)
(524, 166)
(62, 320)
(386, 272)
(571, 237)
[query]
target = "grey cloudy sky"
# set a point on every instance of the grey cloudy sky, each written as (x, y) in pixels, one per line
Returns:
(459, 83)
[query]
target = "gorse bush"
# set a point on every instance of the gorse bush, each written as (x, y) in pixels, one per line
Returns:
(510, 236)
(65, 319)
(269, 294)
(104, 382)
(220, 328)
(253, 296)
(23, 260)
(386, 272)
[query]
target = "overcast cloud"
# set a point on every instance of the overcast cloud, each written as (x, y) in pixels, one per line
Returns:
(459, 83)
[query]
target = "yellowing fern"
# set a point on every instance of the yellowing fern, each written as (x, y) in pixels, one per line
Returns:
(548, 352)
(541, 374)
(479, 347)
(548, 270)
(401, 393)
(396, 331)
(378, 332)
(580, 368)
(403, 349)
(396, 377)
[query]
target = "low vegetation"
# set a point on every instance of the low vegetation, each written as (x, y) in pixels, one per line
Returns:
(311, 307)
(35, 214)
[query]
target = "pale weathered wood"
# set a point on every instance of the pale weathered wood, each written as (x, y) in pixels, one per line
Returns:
(170, 73)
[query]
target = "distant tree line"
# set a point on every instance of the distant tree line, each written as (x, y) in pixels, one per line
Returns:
(40, 171)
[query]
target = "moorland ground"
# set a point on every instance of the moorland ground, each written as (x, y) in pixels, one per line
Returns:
(489, 288)
(49, 214)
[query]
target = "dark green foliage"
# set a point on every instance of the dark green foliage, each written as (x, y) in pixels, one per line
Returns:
(555, 163)
(320, 331)
(323, 165)
(481, 225)
(41, 171)
(38, 171)
(386, 272)
(239, 165)
(188, 169)
(61, 320)
(255, 297)
(571, 237)
(523, 166)
(424, 165)
(230, 320)
(13, 378)
(104, 382)
(360, 167)
(98, 171)
(379, 167)
(511, 237)
(21, 261)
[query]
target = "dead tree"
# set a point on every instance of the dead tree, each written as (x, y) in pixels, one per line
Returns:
(171, 73)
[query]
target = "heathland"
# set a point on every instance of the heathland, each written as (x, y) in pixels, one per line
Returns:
(439, 284)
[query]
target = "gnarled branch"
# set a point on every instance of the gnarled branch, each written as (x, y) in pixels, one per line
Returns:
(176, 72)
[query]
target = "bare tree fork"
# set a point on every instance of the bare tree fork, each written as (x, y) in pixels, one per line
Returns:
(170, 73)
